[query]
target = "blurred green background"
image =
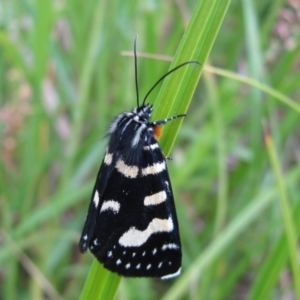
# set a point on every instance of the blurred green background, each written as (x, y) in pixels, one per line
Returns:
(62, 79)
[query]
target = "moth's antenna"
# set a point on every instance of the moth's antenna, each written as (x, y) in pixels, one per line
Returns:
(168, 73)
(135, 72)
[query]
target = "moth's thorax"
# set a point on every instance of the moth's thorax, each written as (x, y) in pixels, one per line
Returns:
(132, 128)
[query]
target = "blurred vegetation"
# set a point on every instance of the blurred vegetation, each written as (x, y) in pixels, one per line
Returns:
(235, 169)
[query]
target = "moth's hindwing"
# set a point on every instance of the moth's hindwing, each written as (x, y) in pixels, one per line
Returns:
(131, 226)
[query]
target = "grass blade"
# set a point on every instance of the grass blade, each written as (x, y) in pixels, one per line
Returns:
(288, 222)
(177, 90)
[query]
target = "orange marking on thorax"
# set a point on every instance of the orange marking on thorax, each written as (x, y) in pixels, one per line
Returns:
(157, 131)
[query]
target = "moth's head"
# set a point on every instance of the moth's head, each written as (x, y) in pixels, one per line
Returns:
(142, 113)
(139, 115)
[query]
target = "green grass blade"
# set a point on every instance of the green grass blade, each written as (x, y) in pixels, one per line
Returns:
(288, 222)
(255, 66)
(177, 90)
(100, 284)
(252, 82)
(270, 271)
(84, 86)
(222, 206)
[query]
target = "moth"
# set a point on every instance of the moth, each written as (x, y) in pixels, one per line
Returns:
(131, 225)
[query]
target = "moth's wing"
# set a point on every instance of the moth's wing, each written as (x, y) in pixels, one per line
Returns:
(96, 201)
(136, 231)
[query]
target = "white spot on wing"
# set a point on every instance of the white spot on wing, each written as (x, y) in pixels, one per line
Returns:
(109, 254)
(149, 266)
(127, 266)
(85, 237)
(171, 275)
(169, 246)
(160, 264)
(154, 169)
(138, 266)
(96, 199)
(110, 205)
(127, 171)
(155, 198)
(118, 261)
(151, 147)
(154, 251)
(108, 158)
(135, 238)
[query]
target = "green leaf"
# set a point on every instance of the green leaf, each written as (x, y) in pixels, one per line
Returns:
(100, 283)
(177, 90)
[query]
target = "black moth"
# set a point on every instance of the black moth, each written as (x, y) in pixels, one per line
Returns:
(131, 225)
